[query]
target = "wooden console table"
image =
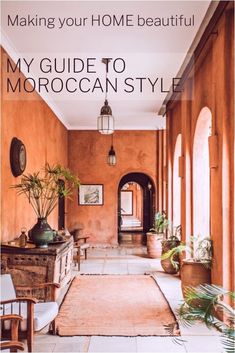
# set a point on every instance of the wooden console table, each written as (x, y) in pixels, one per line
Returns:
(34, 265)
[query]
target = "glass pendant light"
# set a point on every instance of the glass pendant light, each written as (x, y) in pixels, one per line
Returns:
(112, 160)
(105, 122)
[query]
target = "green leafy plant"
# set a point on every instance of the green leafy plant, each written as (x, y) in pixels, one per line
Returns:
(174, 233)
(43, 189)
(202, 253)
(160, 224)
(203, 249)
(211, 307)
(172, 241)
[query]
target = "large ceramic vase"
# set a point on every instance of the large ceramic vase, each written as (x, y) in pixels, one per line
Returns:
(154, 247)
(166, 263)
(41, 234)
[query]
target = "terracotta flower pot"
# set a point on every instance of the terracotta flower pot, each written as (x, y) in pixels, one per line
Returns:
(154, 246)
(194, 273)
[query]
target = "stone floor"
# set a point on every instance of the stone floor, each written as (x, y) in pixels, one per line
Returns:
(132, 260)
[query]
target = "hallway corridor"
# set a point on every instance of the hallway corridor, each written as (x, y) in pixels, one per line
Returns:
(117, 150)
(133, 260)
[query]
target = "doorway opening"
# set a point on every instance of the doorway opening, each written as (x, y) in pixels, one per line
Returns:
(201, 175)
(61, 208)
(132, 207)
(177, 184)
(136, 208)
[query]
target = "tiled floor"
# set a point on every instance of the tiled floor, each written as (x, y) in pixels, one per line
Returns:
(132, 260)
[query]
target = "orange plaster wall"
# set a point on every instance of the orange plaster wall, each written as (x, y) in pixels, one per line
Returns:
(88, 152)
(211, 90)
(211, 85)
(45, 139)
(174, 129)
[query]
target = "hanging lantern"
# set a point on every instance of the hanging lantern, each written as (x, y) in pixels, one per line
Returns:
(112, 160)
(105, 122)
(112, 157)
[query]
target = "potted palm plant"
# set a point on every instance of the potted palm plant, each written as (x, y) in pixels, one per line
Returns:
(213, 306)
(197, 269)
(156, 235)
(213, 310)
(43, 189)
(171, 242)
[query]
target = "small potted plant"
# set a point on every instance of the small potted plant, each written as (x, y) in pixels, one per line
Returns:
(213, 311)
(43, 191)
(156, 235)
(168, 244)
(195, 270)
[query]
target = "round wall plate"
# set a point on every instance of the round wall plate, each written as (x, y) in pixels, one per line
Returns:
(17, 157)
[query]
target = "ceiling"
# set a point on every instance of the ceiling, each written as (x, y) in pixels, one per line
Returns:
(149, 52)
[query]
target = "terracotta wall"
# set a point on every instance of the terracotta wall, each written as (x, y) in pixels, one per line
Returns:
(88, 150)
(210, 84)
(45, 139)
(173, 131)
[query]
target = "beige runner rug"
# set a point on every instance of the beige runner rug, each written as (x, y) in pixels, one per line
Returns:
(114, 305)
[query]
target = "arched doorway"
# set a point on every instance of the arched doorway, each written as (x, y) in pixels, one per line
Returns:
(177, 184)
(201, 175)
(136, 202)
